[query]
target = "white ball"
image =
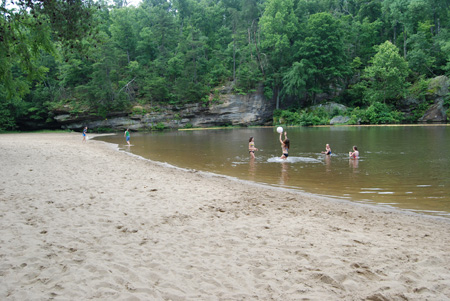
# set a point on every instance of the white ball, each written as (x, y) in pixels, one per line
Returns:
(280, 129)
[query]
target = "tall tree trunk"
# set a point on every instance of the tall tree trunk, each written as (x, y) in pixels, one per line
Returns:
(258, 54)
(278, 98)
(234, 55)
(404, 41)
(395, 34)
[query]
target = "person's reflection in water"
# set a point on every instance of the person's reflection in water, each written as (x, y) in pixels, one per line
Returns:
(284, 179)
(251, 168)
(328, 163)
(354, 163)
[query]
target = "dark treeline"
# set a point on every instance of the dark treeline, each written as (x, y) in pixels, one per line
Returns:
(101, 57)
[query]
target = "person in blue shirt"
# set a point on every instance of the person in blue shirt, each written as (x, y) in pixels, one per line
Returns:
(84, 134)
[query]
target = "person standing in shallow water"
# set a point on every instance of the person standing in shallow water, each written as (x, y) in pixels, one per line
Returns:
(354, 154)
(251, 147)
(285, 146)
(127, 136)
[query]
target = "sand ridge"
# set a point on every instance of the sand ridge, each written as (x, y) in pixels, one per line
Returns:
(82, 221)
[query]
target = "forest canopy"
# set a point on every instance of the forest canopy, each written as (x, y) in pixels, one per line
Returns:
(101, 56)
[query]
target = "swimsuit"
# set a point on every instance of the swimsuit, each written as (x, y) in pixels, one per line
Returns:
(285, 152)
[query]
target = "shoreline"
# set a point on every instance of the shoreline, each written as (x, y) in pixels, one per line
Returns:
(328, 198)
(436, 213)
(85, 221)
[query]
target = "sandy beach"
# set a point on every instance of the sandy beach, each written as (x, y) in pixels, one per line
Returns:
(84, 221)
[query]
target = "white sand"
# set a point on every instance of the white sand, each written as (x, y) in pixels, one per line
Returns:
(84, 221)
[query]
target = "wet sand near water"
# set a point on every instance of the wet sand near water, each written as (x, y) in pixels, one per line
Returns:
(83, 221)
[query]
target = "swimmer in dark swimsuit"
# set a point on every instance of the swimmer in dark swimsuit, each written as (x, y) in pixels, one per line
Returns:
(251, 147)
(285, 146)
(327, 150)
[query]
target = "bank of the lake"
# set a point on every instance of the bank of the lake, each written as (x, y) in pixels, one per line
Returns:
(384, 174)
(85, 221)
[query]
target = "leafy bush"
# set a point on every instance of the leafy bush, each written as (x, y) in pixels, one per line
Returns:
(447, 105)
(356, 115)
(103, 130)
(420, 110)
(303, 118)
(377, 113)
(159, 127)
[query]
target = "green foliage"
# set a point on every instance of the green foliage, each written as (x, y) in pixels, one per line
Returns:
(103, 130)
(420, 110)
(386, 76)
(381, 113)
(322, 56)
(97, 58)
(302, 117)
(159, 127)
(376, 113)
(447, 105)
(419, 89)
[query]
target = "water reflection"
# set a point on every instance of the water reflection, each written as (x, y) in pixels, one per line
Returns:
(252, 168)
(284, 178)
(327, 161)
(354, 163)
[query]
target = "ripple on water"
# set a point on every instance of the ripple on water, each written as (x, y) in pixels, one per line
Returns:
(293, 160)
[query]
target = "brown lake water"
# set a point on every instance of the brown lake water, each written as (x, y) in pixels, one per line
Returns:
(406, 167)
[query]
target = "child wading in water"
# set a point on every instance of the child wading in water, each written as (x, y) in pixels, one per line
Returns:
(251, 147)
(284, 146)
(327, 150)
(127, 136)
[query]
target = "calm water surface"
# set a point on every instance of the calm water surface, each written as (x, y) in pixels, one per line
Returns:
(400, 166)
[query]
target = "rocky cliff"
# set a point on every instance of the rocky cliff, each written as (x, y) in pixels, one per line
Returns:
(438, 90)
(225, 109)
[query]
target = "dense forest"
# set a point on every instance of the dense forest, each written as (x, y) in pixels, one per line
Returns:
(101, 56)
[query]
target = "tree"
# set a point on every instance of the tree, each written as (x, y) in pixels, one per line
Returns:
(30, 26)
(323, 48)
(279, 26)
(386, 76)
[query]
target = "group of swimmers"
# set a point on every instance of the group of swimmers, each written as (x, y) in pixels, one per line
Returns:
(285, 144)
(354, 154)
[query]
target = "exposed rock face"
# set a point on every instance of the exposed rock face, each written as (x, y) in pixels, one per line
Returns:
(229, 109)
(438, 89)
(339, 120)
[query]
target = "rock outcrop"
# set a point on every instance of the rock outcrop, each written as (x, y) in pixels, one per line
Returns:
(228, 109)
(438, 90)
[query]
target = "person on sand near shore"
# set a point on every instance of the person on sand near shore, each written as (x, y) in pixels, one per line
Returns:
(84, 134)
(284, 146)
(327, 150)
(354, 154)
(127, 136)
(251, 147)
